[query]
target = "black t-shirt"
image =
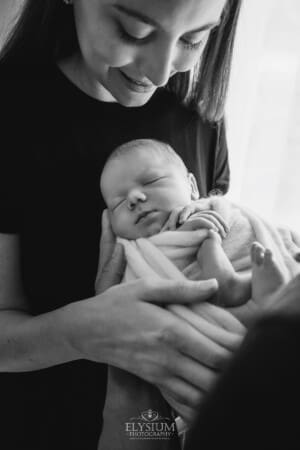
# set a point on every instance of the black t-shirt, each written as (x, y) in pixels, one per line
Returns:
(54, 142)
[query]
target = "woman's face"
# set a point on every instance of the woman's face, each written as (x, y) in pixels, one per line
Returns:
(131, 47)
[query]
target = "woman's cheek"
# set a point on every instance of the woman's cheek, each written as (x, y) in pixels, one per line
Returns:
(120, 54)
(110, 50)
(186, 62)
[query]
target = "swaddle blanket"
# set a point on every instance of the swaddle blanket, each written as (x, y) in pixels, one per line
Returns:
(173, 255)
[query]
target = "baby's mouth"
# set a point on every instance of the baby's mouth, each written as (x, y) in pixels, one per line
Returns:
(142, 215)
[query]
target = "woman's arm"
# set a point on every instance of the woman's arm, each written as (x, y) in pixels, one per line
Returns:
(27, 342)
(121, 327)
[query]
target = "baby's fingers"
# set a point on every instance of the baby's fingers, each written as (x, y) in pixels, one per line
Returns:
(186, 212)
(177, 292)
(215, 219)
(196, 223)
(172, 221)
(219, 218)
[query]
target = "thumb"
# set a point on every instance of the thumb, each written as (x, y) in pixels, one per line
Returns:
(107, 241)
(183, 291)
(112, 272)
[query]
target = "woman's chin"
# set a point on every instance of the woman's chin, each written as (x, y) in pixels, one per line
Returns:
(133, 100)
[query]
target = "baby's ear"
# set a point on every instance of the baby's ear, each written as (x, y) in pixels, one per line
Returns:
(194, 188)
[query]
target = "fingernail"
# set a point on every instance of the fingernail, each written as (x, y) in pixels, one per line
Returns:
(212, 283)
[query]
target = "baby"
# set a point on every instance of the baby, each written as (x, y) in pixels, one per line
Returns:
(148, 189)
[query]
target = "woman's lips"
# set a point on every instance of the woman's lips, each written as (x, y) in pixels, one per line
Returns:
(135, 85)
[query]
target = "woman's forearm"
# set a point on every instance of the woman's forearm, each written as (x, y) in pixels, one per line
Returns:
(35, 342)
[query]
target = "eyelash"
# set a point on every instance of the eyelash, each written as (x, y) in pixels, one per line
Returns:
(132, 40)
(153, 181)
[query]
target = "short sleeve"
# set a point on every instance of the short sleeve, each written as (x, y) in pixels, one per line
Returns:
(221, 170)
(10, 141)
(10, 217)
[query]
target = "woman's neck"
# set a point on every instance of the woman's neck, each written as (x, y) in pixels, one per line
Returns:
(79, 74)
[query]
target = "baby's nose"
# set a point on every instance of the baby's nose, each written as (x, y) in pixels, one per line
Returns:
(134, 197)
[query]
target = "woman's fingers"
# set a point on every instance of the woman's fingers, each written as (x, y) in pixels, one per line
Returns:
(107, 241)
(217, 334)
(112, 261)
(180, 291)
(187, 413)
(113, 270)
(194, 373)
(193, 344)
(219, 316)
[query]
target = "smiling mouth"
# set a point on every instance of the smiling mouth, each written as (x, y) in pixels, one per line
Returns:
(139, 86)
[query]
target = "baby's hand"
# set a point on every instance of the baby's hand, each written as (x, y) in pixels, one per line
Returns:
(195, 217)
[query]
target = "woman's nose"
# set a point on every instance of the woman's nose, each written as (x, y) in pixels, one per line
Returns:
(158, 63)
(135, 196)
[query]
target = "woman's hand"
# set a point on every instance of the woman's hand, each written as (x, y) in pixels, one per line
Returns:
(196, 216)
(124, 327)
(112, 261)
(223, 328)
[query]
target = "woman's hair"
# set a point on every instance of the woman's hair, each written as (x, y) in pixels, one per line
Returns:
(204, 89)
(45, 31)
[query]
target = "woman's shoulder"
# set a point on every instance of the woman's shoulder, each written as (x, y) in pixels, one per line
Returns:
(14, 75)
(19, 82)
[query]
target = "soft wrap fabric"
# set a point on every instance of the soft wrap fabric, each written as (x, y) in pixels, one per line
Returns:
(172, 254)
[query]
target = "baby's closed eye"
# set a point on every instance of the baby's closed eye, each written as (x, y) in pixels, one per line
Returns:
(152, 181)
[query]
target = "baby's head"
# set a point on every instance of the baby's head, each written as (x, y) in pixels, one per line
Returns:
(141, 183)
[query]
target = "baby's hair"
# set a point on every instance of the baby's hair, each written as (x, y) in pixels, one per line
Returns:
(159, 146)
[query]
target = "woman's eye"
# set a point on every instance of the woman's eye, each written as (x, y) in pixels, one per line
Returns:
(192, 46)
(137, 37)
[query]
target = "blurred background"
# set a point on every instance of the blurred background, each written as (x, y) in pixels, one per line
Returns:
(263, 110)
(263, 107)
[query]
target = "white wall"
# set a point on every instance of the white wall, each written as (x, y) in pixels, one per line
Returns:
(264, 110)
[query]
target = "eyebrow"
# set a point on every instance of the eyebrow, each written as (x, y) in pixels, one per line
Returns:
(149, 21)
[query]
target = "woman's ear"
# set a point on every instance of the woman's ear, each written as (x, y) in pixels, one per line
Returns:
(194, 188)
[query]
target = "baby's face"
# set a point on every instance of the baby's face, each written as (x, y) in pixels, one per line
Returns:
(140, 189)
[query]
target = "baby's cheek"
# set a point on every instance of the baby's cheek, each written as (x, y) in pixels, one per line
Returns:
(115, 223)
(121, 226)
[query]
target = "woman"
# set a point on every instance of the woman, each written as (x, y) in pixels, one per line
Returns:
(77, 80)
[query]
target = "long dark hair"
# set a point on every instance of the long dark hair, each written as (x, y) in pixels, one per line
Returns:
(45, 31)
